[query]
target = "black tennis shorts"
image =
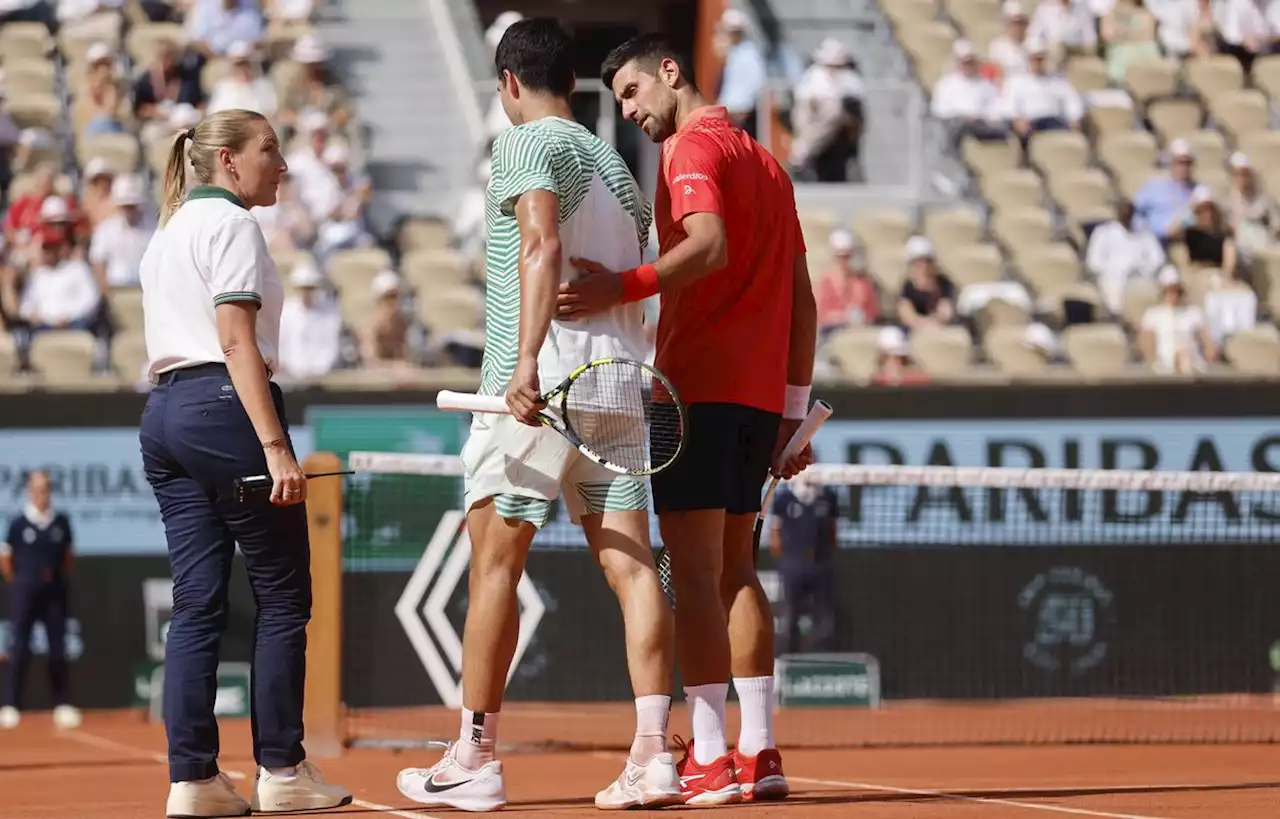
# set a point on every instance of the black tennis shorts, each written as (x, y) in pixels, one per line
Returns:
(725, 462)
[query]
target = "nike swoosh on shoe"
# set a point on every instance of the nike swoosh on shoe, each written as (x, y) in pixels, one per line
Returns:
(431, 786)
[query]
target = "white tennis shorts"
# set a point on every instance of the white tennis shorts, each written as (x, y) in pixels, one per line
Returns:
(526, 468)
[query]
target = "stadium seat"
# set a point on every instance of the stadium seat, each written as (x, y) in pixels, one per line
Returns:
(1139, 294)
(972, 264)
(1007, 349)
(428, 234)
(1264, 273)
(126, 309)
(62, 357)
(985, 157)
(854, 351)
(1255, 351)
(283, 74)
(1109, 119)
(217, 68)
(26, 77)
(1087, 72)
(144, 40)
(1175, 118)
(1150, 80)
(1128, 150)
(357, 268)
(286, 261)
(1214, 75)
(1054, 152)
(1053, 301)
(999, 313)
(1209, 148)
(969, 13)
(129, 354)
(1012, 190)
(1082, 194)
(942, 351)
(429, 269)
(1266, 74)
(881, 227)
(35, 110)
(952, 226)
(887, 265)
(121, 151)
(1096, 350)
(1050, 268)
(1018, 227)
(452, 308)
(981, 34)
(25, 41)
(1241, 112)
(907, 13)
(75, 39)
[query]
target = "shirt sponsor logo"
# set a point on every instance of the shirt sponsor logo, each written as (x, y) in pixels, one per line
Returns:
(690, 177)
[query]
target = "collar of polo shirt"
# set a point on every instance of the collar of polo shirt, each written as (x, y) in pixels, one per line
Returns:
(215, 192)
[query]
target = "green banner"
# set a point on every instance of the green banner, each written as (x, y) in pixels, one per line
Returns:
(389, 517)
(848, 680)
(233, 689)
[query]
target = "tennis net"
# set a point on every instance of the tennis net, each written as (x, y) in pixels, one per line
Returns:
(971, 606)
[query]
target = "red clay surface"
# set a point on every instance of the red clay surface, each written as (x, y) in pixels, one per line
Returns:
(112, 769)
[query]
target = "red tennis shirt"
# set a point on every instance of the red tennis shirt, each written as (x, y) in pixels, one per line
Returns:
(725, 338)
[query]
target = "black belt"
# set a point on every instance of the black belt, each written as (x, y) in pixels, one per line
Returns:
(209, 370)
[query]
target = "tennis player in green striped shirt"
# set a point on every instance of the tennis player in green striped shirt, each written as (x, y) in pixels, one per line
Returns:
(557, 193)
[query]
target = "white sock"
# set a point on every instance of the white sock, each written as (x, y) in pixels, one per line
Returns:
(755, 694)
(652, 711)
(283, 772)
(706, 708)
(478, 739)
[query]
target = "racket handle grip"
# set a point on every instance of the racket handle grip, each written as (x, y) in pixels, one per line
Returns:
(470, 402)
(818, 415)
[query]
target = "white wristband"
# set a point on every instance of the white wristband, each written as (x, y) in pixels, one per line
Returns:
(796, 406)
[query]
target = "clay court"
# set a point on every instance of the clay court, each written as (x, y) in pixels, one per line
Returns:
(112, 768)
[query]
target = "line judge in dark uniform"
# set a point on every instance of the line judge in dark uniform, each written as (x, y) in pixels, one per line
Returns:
(35, 560)
(211, 299)
(803, 541)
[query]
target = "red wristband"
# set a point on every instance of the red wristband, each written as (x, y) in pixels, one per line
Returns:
(639, 283)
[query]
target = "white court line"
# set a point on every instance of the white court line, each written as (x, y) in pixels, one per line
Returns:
(982, 800)
(112, 745)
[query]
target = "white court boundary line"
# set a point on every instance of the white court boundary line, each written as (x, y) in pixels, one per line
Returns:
(93, 740)
(981, 800)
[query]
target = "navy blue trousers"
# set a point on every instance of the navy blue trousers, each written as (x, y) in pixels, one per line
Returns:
(29, 601)
(196, 440)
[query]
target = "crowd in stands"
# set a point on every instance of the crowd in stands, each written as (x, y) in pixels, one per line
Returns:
(1119, 215)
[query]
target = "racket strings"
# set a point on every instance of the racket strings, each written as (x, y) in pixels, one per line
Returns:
(618, 414)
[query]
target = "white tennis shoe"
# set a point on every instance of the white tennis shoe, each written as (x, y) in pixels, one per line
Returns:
(205, 798)
(654, 784)
(305, 790)
(10, 717)
(448, 784)
(67, 717)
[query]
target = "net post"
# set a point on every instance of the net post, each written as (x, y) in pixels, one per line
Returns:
(323, 706)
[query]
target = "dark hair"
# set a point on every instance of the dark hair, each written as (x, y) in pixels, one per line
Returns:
(539, 52)
(649, 50)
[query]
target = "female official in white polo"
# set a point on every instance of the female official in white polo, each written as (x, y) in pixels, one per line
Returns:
(212, 298)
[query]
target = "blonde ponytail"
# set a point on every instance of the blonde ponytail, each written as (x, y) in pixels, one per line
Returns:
(226, 129)
(175, 177)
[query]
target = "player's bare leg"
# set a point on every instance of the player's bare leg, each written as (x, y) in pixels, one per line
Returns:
(756, 760)
(468, 777)
(620, 543)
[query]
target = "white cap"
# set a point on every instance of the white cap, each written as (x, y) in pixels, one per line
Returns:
(1012, 10)
(1180, 149)
(505, 20)
(963, 50)
(1040, 336)
(1169, 276)
(831, 52)
(388, 281)
(55, 209)
(184, 115)
(98, 52)
(1035, 47)
(893, 341)
(97, 167)
(128, 189)
(38, 138)
(918, 247)
(733, 20)
(336, 154)
(312, 120)
(1200, 195)
(842, 241)
(310, 49)
(304, 274)
(240, 50)
(1239, 161)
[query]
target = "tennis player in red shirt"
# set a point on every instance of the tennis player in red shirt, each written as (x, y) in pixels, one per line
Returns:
(736, 334)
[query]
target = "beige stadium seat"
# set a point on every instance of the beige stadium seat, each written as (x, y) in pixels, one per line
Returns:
(62, 357)
(144, 40)
(121, 151)
(352, 271)
(1087, 73)
(430, 269)
(1241, 112)
(218, 68)
(906, 13)
(282, 36)
(930, 38)
(1050, 268)
(968, 13)
(951, 227)
(1264, 273)
(1054, 152)
(1266, 74)
(942, 351)
(1053, 302)
(1151, 79)
(283, 74)
(129, 354)
(1139, 294)
(27, 77)
(1214, 75)
(157, 152)
(25, 41)
(1208, 147)
(1175, 118)
(985, 157)
(854, 351)
(887, 265)
(1103, 120)
(286, 261)
(430, 234)
(973, 264)
(1082, 193)
(35, 110)
(452, 308)
(1006, 347)
(1255, 351)
(980, 35)
(126, 309)
(1015, 228)
(1012, 190)
(882, 227)
(1097, 350)
(1122, 152)
(998, 314)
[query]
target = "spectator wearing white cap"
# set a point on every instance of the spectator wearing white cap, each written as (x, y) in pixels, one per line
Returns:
(1243, 30)
(1205, 233)
(894, 367)
(846, 296)
(1251, 212)
(389, 339)
(315, 87)
(244, 87)
(316, 183)
(95, 195)
(1163, 200)
(23, 216)
(97, 105)
(310, 326)
(346, 225)
(927, 297)
(168, 81)
(826, 116)
(1066, 25)
(213, 26)
(967, 101)
(1006, 52)
(1120, 251)
(1174, 337)
(742, 80)
(1037, 100)
(115, 252)
(1129, 34)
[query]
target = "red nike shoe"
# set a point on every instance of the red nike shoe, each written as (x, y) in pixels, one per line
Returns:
(760, 776)
(712, 784)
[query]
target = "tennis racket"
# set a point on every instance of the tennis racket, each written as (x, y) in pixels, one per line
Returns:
(817, 416)
(622, 414)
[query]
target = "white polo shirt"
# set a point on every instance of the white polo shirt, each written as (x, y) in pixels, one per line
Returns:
(211, 252)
